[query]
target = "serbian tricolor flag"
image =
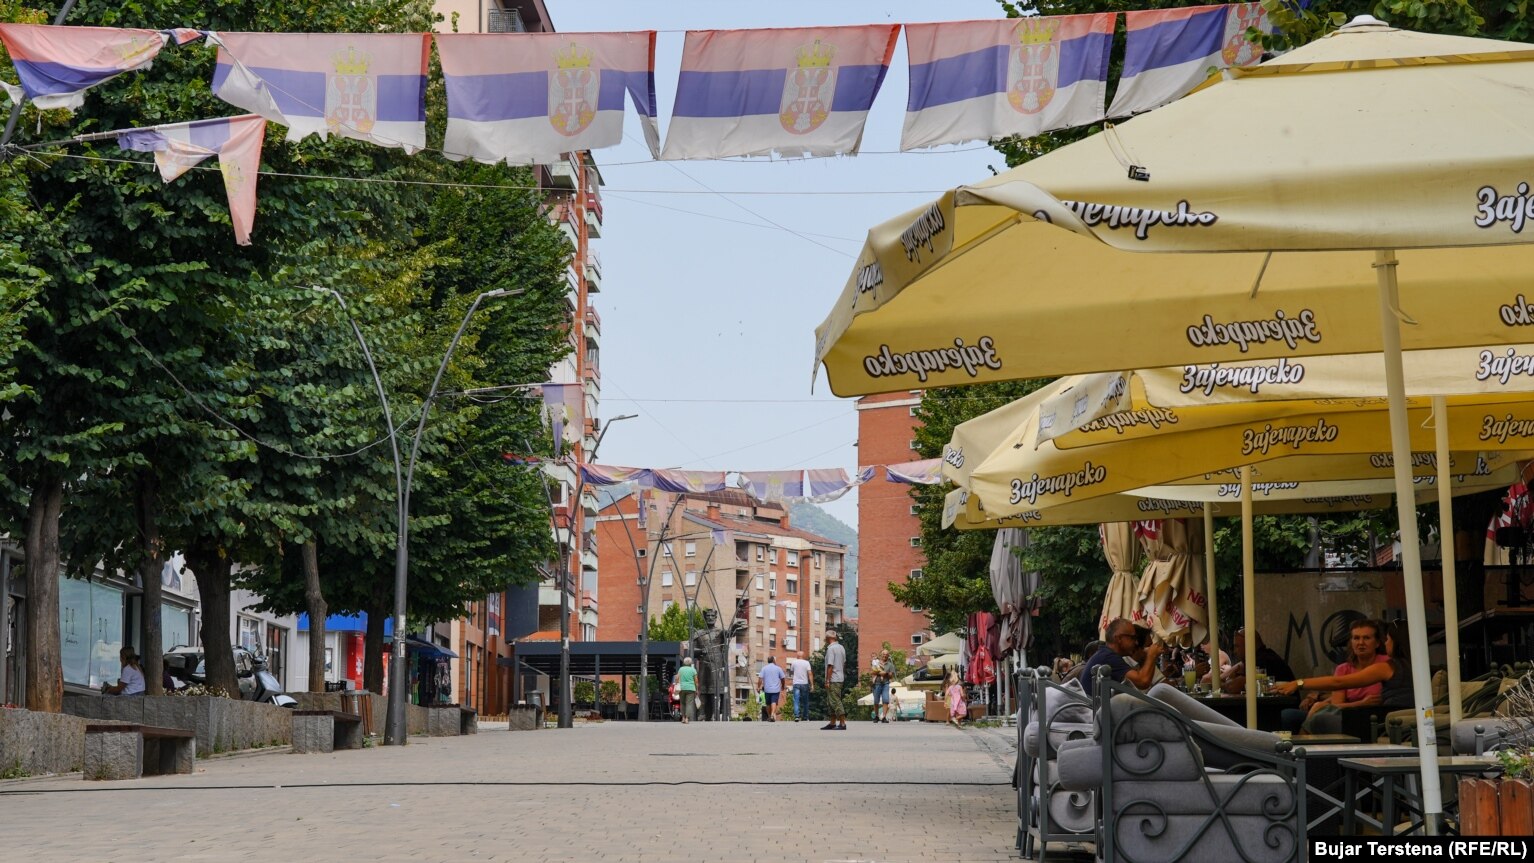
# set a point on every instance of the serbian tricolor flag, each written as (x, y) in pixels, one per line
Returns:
(795, 92)
(687, 481)
(235, 140)
(925, 472)
(981, 80)
(771, 486)
(57, 65)
(366, 86)
(1168, 52)
(528, 97)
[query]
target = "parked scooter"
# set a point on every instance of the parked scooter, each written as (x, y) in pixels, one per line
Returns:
(188, 665)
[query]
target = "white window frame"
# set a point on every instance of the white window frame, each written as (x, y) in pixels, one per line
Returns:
(761, 582)
(793, 560)
(641, 552)
(790, 642)
(761, 553)
(772, 611)
(758, 613)
(690, 549)
(915, 574)
(665, 548)
(916, 542)
(690, 578)
(816, 643)
(666, 577)
(817, 615)
(916, 638)
(820, 560)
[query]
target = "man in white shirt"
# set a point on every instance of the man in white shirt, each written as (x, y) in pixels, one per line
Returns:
(804, 684)
(836, 660)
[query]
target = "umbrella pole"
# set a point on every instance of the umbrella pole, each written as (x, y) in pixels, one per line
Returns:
(1447, 556)
(1211, 591)
(1248, 596)
(1411, 552)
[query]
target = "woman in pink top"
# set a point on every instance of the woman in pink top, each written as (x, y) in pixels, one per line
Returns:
(1321, 713)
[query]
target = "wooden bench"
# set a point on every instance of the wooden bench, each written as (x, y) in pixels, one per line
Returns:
(451, 720)
(132, 751)
(326, 731)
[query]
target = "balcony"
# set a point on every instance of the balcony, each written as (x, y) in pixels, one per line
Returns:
(592, 374)
(593, 320)
(594, 202)
(562, 174)
(593, 223)
(593, 272)
(504, 21)
(588, 601)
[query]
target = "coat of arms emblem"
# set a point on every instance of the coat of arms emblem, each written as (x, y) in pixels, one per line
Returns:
(1033, 69)
(808, 89)
(1237, 49)
(351, 94)
(574, 88)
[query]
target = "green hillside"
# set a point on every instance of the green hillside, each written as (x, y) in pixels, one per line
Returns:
(808, 516)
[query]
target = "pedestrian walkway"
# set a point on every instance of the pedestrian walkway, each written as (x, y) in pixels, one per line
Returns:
(611, 792)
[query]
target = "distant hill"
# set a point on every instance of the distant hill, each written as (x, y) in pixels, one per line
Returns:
(812, 518)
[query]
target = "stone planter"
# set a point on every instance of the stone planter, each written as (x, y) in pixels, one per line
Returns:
(524, 717)
(221, 724)
(32, 744)
(1496, 807)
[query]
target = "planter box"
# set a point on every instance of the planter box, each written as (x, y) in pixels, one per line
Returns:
(416, 718)
(221, 724)
(32, 744)
(936, 711)
(1496, 807)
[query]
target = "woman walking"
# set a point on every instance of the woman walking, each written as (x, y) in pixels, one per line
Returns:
(688, 685)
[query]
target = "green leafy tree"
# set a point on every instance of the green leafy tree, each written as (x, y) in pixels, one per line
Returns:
(672, 625)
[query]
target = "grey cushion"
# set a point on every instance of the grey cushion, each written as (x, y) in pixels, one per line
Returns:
(1080, 765)
(1169, 762)
(1231, 740)
(1059, 732)
(1496, 732)
(1067, 703)
(1137, 719)
(1249, 794)
(1189, 706)
(1145, 837)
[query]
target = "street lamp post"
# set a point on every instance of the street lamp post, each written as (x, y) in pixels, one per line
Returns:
(565, 719)
(394, 722)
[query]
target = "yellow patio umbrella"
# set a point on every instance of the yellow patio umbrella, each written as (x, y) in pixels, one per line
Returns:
(1122, 598)
(1365, 142)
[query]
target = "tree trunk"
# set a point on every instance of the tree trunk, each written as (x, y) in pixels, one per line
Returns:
(45, 665)
(373, 645)
(314, 605)
(146, 500)
(212, 568)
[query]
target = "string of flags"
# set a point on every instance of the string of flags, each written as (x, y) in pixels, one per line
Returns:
(525, 98)
(768, 486)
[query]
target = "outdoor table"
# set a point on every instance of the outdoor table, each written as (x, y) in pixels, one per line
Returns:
(1269, 708)
(1309, 740)
(1384, 772)
(1326, 778)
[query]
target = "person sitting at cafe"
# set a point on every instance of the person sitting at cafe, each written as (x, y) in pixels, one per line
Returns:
(1076, 670)
(1321, 714)
(1201, 663)
(1124, 645)
(130, 679)
(1389, 674)
(1233, 681)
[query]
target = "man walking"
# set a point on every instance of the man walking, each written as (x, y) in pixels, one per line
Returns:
(836, 659)
(804, 684)
(771, 681)
(883, 674)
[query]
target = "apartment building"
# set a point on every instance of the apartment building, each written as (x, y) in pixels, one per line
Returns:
(723, 551)
(889, 532)
(572, 188)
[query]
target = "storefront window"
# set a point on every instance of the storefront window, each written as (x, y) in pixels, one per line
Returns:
(175, 626)
(250, 634)
(91, 629)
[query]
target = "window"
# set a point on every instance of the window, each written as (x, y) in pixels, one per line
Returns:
(758, 612)
(772, 639)
(791, 641)
(665, 606)
(913, 443)
(772, 588)
(665, 578)
(774, 555)
(816, 642)
(761, 553)
(691, 548)
(791, 615)
(916, 638)
(915, 510)
(760, 580)
(793, 587)
(692, 577)
(175, 626)
(793, 560)
(911, 410)
(91, 629)
(641, 552)
(915, 574)
(916, 542)
(772, 611)
(816, 616)
(250, 634)
(820, 560)
(817, 588)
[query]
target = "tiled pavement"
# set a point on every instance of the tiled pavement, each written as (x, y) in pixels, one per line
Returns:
(612, 792)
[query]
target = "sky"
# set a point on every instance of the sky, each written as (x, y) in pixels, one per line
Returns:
(716, 273)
